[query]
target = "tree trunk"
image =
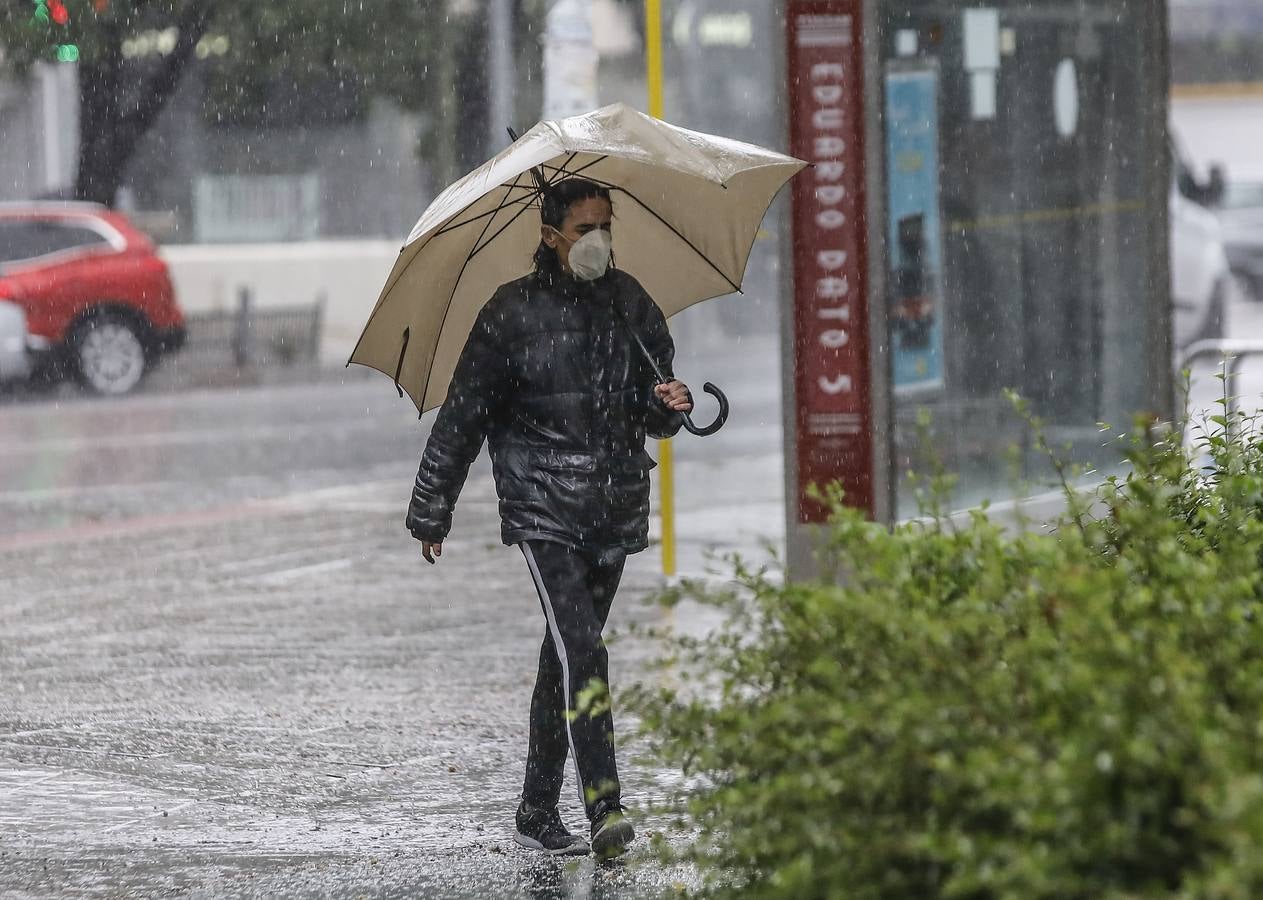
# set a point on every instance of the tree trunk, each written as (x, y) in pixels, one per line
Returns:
(100, 169)
(108, 132)
(472, 94)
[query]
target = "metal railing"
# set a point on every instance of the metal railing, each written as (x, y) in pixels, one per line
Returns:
(249, 337)
(1231, 357)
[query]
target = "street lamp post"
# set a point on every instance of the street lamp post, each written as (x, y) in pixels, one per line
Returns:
(570, 61)
(500, 15)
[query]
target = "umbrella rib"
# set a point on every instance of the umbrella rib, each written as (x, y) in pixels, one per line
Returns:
(526, 203)
(480, 244)
(649, 209)
(675, 231)
(527, 200)
(532, 192)
(464, 266)
(407, 333)
(478, 248)
(456, 285)
(561, 170)
(504, 204)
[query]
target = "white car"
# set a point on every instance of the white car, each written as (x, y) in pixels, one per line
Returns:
(1201, 280)
(1241, 216)
(15, 357)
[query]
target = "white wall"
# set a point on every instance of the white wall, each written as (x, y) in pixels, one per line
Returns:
(350, 274)
(39, 128)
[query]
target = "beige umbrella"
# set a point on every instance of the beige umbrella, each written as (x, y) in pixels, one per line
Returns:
(690, 205)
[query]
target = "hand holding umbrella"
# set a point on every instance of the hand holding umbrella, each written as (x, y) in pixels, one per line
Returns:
(663, 382)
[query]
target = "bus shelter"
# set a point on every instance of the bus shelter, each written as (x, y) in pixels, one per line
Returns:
(987, 210)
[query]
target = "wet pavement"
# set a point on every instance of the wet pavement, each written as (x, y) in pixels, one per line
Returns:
(228, 672)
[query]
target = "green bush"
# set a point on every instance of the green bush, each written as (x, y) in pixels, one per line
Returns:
(979, 714)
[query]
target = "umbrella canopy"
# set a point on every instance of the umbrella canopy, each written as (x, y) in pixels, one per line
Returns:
(687, 208)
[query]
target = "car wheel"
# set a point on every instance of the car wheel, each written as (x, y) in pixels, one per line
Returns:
(109, 355)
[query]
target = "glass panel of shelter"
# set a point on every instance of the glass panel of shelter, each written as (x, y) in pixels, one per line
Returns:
(1044, 233)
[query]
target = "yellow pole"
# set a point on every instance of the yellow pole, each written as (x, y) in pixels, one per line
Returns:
(653, 55)
(666, 474)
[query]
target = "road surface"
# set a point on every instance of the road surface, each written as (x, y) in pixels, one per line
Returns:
(228, 671)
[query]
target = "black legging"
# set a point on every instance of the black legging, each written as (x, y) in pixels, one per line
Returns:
(576, 590)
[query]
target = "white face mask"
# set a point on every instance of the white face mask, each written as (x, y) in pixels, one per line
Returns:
(590, 255)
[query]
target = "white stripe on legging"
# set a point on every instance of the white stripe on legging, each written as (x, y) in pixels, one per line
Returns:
(561, 655)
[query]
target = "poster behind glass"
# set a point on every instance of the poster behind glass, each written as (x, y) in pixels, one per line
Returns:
(914, 228)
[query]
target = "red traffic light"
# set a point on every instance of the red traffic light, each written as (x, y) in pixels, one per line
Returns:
(58, 13)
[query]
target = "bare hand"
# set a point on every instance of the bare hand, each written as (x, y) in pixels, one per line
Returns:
(430, 550)
(675, 394)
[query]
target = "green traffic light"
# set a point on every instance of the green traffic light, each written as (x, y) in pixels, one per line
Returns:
(67, 53)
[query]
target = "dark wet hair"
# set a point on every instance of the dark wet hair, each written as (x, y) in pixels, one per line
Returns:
(555, 203)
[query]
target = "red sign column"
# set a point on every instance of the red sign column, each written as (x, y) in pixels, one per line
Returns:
(834, 415)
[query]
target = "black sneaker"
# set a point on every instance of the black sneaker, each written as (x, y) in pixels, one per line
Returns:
(611, 830)
(542, 829)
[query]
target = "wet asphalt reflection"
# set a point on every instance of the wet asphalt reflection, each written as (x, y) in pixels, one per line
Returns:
(228, 671)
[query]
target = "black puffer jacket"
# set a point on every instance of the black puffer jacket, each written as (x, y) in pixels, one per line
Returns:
(552, 380)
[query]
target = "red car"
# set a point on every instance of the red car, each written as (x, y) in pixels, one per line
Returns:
(99, 302)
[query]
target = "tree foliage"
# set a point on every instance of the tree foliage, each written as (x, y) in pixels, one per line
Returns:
(264, 62)
(303, 62)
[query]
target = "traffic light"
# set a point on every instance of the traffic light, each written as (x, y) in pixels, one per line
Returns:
(50, 12)
(55, 13)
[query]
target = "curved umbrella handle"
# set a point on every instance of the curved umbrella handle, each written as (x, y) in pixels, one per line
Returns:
(719, 419)
(708, 387)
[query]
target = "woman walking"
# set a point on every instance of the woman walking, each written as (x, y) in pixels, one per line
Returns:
(552, 379)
